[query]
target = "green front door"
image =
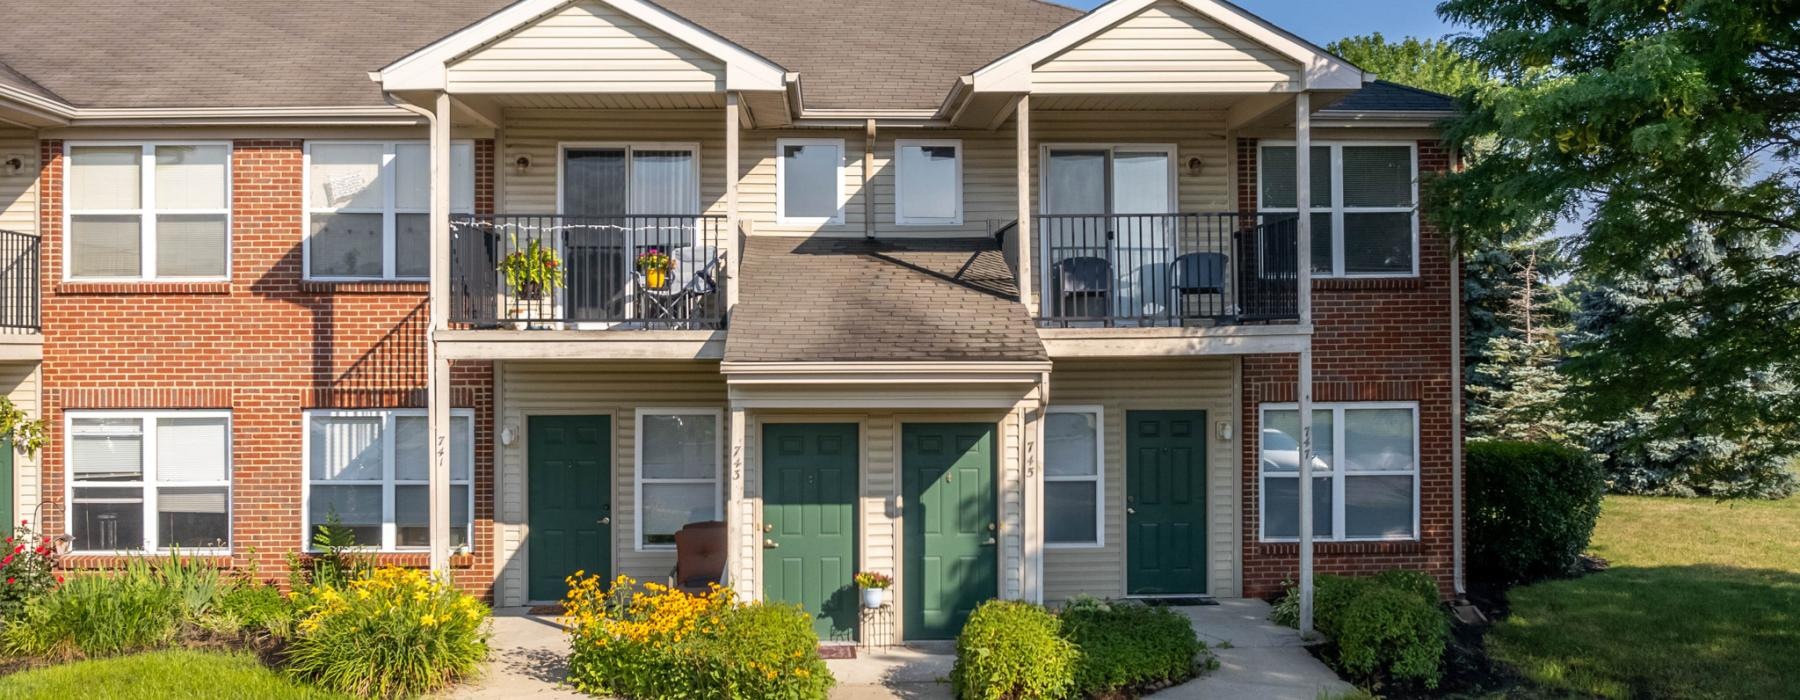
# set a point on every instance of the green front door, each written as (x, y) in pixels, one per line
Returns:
(6, 485)
(1165, 502)
(947, 503)
(570, 501)
(809, 522)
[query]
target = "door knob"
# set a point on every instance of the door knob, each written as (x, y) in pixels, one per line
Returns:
(770, 544)
(605, 521)
(990, 541)
(1131, 511)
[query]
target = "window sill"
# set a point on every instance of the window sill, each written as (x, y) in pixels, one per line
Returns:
(90, 561)
(365, 287)
(406, 559)
(1353, 547)
(1332, 284)
(143, 287)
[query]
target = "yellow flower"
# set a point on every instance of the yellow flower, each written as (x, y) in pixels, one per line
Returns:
(428, 621)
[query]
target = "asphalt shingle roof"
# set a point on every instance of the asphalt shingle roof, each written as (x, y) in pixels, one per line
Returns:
(848, 300)
(1383, 96)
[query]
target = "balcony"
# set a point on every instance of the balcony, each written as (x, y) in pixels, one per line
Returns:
(19, 299)
(606, 280)
(1165, 270)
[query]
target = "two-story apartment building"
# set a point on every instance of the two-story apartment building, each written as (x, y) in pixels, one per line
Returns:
(993, 296)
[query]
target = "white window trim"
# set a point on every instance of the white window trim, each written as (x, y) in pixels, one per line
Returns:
(389, 531)
(1338, 209)
(637, 470)
(1338, 471)
(1099, 477)
(900, 217)
(781, 216)
(149, 485)
(1112, 148)
(389, 211)
(146, 212)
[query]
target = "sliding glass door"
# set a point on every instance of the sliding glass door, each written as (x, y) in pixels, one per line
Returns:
(1109, 227)
(619, 202)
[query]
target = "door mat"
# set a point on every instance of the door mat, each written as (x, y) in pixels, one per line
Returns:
(1195, 600)
(556, 609)
(837, 651)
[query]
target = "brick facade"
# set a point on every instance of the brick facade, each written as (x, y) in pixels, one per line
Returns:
(267, 345)
(1373, 340)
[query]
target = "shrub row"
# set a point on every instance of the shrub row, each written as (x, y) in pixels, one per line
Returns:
(1093, 649)
(1532, 508)
(1387, 627)
(652, 641)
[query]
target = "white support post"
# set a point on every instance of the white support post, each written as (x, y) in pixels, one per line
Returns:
(743, 536)
(734, 252)
(1303, 246)
(437, 393)
(1023, 155)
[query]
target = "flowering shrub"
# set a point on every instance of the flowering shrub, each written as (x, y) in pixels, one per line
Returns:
(652, 641)
(28, 569)
(392, 633)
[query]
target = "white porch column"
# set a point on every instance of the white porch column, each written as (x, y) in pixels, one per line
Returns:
(437, 393)
(1303, 245)
(734, 252)
(743, 536)
(1027, 294)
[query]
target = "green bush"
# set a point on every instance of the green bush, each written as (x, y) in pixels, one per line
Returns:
(1532, 508)
(1418, 583)
(392, 633)
(95, 615)
(1013, 651)
(253, 606)
(657, 642)
(1391, 632)
(28, 566)
(1127, 647)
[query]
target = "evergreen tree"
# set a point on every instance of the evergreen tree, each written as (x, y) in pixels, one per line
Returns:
(1667, 446)
(1517, 392)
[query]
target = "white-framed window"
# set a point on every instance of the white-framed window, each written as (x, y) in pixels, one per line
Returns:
(368, 207)
(1074, 477)
(146, 481)
(679, 455)
(628, 179)
(1365, 471)
(370, 469)
(1365, 194)
(928, 182)
(809, 177)
(147, 211)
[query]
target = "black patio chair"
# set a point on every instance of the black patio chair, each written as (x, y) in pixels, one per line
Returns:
(1194, 274)
(1085, 281)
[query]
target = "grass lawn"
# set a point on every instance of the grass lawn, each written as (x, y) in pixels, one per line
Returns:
(156, 675)
(1702, 601)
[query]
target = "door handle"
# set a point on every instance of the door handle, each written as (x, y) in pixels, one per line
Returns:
(1130, 511)
(604, 521)
(990, 542)
(770, 543)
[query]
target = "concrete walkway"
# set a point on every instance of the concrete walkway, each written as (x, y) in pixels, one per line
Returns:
(1257, 659)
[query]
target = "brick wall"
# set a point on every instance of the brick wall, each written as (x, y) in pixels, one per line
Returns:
(267, 345)
(1373, 340)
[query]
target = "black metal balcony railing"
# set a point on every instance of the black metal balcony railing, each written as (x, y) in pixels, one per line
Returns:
(19, 300)
(602, 283)
(1165, 270)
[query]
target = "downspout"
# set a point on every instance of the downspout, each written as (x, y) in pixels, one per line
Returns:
(1456, 411)
(868, 182)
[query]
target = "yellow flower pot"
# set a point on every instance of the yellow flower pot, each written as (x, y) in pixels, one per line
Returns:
(657, 278)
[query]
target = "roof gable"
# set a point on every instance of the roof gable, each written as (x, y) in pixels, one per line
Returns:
(1197, 24)
(646, 24)
(1167, 47)
(586, 46)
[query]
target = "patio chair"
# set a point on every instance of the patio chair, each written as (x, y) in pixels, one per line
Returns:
(1083, 287)
(1194, 274)
(699, 557)
(696, 269)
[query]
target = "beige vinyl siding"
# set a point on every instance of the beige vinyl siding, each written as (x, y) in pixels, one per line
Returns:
(537, 133)
(18, 192)
(1201, 384)
(617, 390)
(880, 548)
(587, 47)
(19, 382)
(1166, 48)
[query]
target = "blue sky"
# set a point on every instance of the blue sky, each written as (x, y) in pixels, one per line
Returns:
(1325, 21)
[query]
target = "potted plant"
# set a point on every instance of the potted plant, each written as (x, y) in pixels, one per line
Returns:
(531, 270)
(874, 587)
(655, 265)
